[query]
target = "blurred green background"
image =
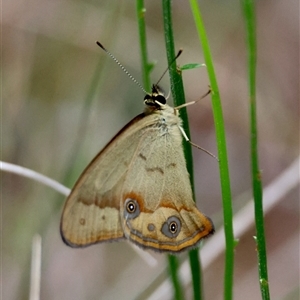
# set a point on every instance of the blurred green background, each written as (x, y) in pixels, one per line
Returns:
(50, 67)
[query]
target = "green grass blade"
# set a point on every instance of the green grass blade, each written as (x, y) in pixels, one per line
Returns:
(222, 154)
(249, 11)
(74, 163)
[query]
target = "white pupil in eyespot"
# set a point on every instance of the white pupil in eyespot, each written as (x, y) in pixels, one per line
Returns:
(130, 207)
(173, 227)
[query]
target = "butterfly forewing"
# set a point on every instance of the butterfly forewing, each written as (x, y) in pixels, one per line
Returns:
(91, 213)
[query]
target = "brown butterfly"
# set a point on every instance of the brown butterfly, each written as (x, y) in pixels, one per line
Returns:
(138, 188)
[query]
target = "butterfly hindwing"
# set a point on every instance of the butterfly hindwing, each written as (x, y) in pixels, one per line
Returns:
(157, 183)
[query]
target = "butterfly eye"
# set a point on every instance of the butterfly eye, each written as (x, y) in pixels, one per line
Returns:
(171, 227)
(132, 209)
(161, 99)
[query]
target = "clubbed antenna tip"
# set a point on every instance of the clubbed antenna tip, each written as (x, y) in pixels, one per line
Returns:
(121, 66)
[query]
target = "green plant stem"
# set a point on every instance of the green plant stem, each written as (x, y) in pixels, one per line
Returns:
(140, 12)
(173, 268)
(249, 11)
(222, 154)
(179, 98)
(196, 271)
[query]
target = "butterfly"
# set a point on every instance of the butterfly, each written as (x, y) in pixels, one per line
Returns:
(138, 188)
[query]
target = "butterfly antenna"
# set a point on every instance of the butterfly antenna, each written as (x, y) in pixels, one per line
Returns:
(121, 66)
(178, 54)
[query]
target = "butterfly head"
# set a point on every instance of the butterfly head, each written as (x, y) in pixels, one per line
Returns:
(156, 98)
